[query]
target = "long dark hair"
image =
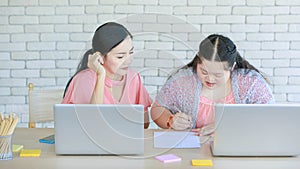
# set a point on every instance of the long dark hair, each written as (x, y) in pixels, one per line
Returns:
(106, 37)
(220, 48)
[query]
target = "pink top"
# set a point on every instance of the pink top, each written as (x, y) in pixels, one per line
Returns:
(82, 86)
(206, 110)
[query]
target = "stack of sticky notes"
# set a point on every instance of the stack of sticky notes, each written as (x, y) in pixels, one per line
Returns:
(168, 158)
(30, 153)
(202, 163)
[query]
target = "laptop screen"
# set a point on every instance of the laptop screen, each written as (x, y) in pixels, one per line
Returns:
(99, 129)
(257, 130)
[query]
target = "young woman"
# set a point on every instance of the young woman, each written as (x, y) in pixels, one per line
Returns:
(103, 75)
(217, 74)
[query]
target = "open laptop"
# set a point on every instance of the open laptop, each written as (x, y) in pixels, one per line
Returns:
(256, 130)
(94, 129)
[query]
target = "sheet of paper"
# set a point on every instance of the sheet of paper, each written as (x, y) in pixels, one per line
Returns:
(176, 140)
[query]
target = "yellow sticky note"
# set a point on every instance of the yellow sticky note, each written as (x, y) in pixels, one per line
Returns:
(30, 153)
(202, 163)
(17, 148)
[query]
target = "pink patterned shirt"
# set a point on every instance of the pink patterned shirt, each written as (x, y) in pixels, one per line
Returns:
(182, 91)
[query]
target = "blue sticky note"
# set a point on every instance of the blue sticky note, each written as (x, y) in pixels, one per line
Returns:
(48, 140)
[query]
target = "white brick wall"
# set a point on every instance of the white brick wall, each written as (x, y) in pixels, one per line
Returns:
(41, 41)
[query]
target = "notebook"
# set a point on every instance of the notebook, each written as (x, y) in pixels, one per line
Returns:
(94, 129)
(256, 130)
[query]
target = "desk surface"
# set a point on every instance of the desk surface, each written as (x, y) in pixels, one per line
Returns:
(29, 138)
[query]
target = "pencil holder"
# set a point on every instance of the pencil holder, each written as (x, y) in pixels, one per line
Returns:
(6, 147)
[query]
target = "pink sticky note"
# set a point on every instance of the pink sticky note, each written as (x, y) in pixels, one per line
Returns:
(168, 158)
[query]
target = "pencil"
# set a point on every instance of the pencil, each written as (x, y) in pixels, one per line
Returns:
(13, 125)
(0, 118)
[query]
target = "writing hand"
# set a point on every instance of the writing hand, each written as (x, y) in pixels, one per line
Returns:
(181, 121)
(205, 130)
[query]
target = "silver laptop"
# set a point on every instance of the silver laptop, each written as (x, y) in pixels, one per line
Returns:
(87, 129)
(256, 130)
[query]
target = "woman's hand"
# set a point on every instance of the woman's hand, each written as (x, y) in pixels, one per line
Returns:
(95, 62)
(181, 121)
(205, 130)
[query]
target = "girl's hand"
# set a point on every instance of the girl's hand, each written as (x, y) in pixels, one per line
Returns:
(205, 130)
(95, 62)
(181, 121)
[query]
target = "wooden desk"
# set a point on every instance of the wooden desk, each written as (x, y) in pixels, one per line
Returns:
(29, 138)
